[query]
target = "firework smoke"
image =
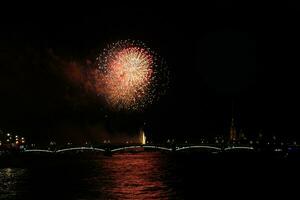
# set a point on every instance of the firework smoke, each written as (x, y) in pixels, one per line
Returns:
(126, 75)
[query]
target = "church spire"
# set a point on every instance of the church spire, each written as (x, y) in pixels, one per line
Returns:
(232, 131)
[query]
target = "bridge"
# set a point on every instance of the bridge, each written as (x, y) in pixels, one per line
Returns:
(151, 147)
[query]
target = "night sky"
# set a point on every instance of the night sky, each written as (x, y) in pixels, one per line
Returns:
(218, 55)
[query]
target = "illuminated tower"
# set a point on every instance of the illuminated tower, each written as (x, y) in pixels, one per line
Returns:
(232, 132)
(142, 136)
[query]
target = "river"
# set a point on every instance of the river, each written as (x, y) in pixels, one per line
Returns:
(145, 175)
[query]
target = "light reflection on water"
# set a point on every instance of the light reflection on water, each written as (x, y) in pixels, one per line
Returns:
(122, 176)
(137, 177)
(145, 175)
(9, 178)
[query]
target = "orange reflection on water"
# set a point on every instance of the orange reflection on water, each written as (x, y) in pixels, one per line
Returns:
(135, 176)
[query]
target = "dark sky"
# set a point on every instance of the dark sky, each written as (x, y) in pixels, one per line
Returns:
(217, 54)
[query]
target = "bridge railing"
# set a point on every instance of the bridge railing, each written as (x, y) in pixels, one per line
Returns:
(84, 148)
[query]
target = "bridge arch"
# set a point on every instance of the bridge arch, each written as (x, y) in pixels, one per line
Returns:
(157, 147)
(145, 147)
(79, 149)
(238, 148)
(199, 147)
(38, 150)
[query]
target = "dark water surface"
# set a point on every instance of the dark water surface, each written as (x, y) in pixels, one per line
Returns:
(147, 175)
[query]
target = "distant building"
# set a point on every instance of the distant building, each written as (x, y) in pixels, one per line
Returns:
(11, 141)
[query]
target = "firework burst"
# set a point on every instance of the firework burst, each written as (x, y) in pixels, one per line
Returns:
(130, 75)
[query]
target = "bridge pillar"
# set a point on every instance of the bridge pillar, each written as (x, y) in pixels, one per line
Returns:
(173, 148)
(107, 151)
